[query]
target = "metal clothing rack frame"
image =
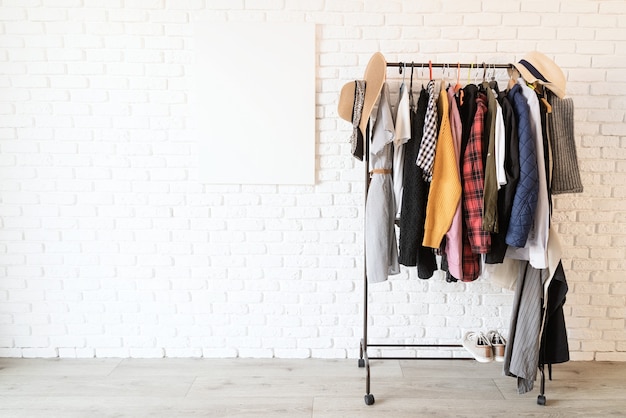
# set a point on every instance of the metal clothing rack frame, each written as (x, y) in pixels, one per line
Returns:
(364, 357)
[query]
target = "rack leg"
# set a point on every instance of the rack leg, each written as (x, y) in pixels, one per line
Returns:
(541, 399)
(369, 398)
(361, 359)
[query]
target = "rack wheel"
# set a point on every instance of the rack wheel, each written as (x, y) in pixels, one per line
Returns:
(361, 362)
(369, 399)
(541, 400)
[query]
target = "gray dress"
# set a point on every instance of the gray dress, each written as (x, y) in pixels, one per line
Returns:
(381, 248)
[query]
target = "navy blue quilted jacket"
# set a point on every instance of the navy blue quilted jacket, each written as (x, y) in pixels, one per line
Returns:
(525, 198)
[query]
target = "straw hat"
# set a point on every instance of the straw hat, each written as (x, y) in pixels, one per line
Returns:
(537, 67)
(375, 74)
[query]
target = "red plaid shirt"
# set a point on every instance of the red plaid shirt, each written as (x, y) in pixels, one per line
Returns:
(470, 262)
(476, 241)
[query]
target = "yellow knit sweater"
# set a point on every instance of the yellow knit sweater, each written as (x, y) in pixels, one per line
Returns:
(445, 188)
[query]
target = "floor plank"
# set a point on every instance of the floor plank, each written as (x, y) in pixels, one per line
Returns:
(111, 406)
(57, 367)
(449, 368)
(91, 386)
(249, 367)
(350, 407)
(311, 388)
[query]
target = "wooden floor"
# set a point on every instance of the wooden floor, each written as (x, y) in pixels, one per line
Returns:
(298, 388)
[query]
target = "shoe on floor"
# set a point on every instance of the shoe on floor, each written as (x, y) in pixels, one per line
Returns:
(478, 345)
(498, 343)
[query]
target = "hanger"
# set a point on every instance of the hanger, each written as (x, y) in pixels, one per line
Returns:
(461, 91)
(411, 101)
(457, 87)
(544, 102)
(403, 84)
(514, 75)
(430, 69)
(484, 72)
(493, 83)
(403, 74)
(476, 76)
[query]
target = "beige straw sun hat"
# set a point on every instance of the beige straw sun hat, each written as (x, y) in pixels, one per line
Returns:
(375, 75)
(536, 67)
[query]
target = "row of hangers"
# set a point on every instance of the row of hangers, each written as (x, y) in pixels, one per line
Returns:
(493, 84)
(402, 66)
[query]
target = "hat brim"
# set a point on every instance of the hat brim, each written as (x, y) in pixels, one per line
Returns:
(346, 101)
(543, 71)
(375, 75)
(526, 75)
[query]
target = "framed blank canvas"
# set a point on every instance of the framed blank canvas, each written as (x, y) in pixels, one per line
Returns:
(254, 102)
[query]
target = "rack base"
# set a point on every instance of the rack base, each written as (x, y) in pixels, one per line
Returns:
(364, 362)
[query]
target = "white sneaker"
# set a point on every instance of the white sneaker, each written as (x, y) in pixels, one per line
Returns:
(498, 343)
(479, 346)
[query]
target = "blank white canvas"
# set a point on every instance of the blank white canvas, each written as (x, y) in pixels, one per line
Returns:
(254, 101)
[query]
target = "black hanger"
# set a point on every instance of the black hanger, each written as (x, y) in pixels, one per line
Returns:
(493, 84)
(482, 86)
(411, 101)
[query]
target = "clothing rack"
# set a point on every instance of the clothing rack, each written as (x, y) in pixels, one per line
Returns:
(364, 357)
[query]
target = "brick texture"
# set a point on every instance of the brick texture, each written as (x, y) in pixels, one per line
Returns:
(109, 246)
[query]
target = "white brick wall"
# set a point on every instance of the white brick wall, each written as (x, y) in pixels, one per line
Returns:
(109, 246)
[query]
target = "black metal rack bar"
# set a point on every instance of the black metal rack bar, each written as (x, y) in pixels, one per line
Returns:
(447, 65)
(364, 357)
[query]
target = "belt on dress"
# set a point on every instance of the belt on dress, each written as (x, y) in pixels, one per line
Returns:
(381, 171)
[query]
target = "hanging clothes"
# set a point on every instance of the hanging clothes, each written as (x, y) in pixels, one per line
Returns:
(490, 188)
(537, 333)
(565, 171)
(546, 120)
(525, 199)
(535, 247)
(402, 121)
(445, 187)
(454, 237)
(507, 191)
(474, 239)
(500, 146)
(381, 253)
(467, 111)
(414, 200)
(470, 262)
(426, 155)
(473, 181)
(522, 349)
(554, 346)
